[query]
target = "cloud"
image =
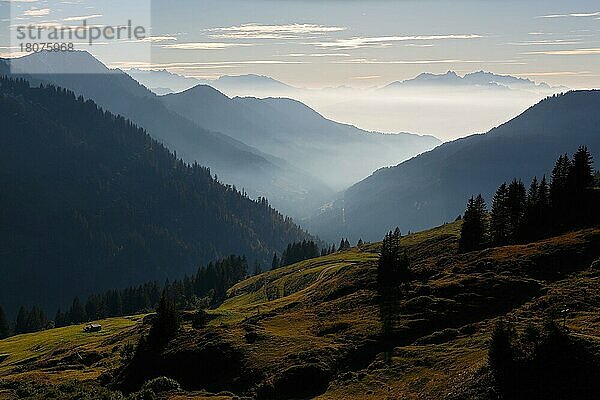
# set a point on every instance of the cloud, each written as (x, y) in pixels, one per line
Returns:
(573, 52)
(557, 73)
(318, 55)
(159, 39)
(585, 14)
(203, 46)
(556, 42)
(13, 54)
(384, 41)
(366, 77)
(82, 18)
(36, 12)
(419, 62)
(258, 31)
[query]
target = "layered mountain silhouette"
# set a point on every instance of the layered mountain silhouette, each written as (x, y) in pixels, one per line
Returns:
(162, 81)
(274, 148)
(478, 79)
(432, 188)
(93, 202)
(338, 154)
(260, 174)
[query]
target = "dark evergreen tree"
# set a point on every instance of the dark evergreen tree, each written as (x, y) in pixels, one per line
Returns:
(59, 319)
(165, 325)
(517, 197)
(359, 243)
(473, 231)
(275, 263)
(36, 320)
(499, 217)
(257, 268)
(21, 321)
(559, 191)
(77, 312)
(393, 266)
(4, 326)
(581, 175)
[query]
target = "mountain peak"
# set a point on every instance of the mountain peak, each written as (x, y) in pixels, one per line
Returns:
(45, 62)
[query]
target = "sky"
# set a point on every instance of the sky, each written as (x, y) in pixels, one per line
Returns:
(355, 43)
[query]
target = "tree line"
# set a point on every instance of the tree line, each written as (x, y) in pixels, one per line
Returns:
(520, 215)
(208, 287)
(305, 250)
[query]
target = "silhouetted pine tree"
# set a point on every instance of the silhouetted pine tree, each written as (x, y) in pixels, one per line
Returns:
(499, 217)
(559, 191)
(166, 324)
(4, 327)
(473, 231)
(393, 266)
(59, 319)
(517, 197)
(21, 321)
(77, 312)
(257, 268)
(581, 175)
(275, 263)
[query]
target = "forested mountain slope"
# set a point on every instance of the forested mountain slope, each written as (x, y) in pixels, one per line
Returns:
(89, 201)
(261, 174)
(431, 188)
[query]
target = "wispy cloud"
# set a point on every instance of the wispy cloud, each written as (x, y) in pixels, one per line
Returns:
(573, 52)
(82, 18)
(557, 73)
(555, 42)
(258, 31)
(183, 66)
(318, 55)
(36, 12)
(160, 39)
(384, 41)
(366, 77)
(580, 14)
(203, 46)
(419, 62)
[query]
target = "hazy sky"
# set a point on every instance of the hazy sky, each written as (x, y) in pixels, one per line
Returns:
(359, 43)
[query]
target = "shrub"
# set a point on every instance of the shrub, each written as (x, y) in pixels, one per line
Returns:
(161, 384)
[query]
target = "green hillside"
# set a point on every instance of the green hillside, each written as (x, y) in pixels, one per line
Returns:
(312, 329)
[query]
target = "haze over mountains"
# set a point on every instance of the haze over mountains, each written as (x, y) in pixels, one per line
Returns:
(446, 105)
(432, 188)
(213, 143)
(338, 154)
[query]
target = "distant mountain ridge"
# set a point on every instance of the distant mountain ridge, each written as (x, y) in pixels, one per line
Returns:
(432, 188)
(338, 154)
(235, 162)
(479, 78)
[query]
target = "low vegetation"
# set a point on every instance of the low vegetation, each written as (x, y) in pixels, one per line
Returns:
(314, 329)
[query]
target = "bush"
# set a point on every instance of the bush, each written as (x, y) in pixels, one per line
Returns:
(161, 384)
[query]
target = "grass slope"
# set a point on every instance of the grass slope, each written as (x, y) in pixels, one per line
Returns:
(311, 330)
